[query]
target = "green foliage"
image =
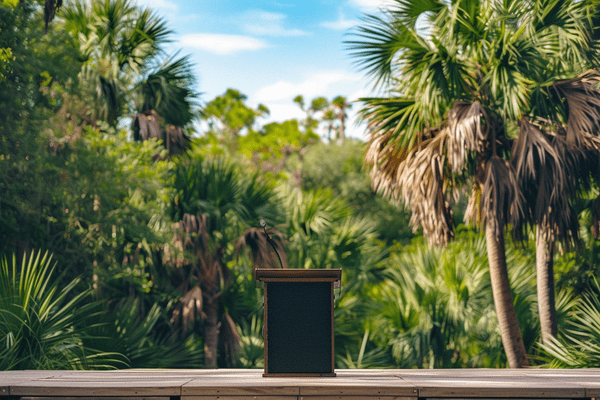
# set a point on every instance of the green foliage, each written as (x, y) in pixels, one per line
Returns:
(26, 102)
(42, 325)
(122, 44)
(339, 167)
(274, 142)
(219, 188)
(229, 117)
(436, 308)
(143, 338)
(579, 345)
(109, 214)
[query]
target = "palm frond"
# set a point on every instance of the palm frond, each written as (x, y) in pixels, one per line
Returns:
(167, 89)
(421, 182)
(146, 125)
(465, 133)
(501, 197)
(408, 11)
(582, 98)
(381, 40)
(263, 255)
(546, 169)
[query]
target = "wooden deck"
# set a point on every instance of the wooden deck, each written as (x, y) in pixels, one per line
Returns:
(237, 384)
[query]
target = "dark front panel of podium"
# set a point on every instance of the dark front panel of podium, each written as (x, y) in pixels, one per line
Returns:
(299, 327)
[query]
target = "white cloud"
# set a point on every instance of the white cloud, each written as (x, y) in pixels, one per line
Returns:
(266, 23)
(371, 5)
(159, 4)
(221, 44)
(317, 84)
(341, 24)
(279, 96)
(283, 112)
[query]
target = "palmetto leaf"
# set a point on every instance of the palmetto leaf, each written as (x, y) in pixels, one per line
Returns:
(408, 11)
(579, 346)
(382, 40)
(43, 324)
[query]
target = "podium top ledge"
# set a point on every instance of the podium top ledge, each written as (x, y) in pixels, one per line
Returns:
(299, 275)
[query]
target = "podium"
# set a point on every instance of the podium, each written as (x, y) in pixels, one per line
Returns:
(298, 321)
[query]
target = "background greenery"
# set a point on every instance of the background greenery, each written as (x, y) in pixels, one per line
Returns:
(129, 235)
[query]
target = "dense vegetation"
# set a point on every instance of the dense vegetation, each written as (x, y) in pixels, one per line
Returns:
(129, 234)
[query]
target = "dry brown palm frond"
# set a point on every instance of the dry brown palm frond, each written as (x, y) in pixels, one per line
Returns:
(262, 253)
(595, 208)
(188, 309)
(175, 140)
(465, 133)
(548, 172)
(414, 173)
(386, 159)
(146, 125)
(583, 99)
(422, 184)
(473, 211)
(501, 197)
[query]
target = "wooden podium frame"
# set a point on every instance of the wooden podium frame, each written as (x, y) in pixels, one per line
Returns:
(318, 285)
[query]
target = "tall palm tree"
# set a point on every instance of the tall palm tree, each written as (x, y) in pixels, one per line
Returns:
(217, 207)
(460, 89)
(126, 71)
(340, 104)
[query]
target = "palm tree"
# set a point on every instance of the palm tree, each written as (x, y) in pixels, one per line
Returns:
(459, 92)
(340, 104)
(126, 71)
(216, 206)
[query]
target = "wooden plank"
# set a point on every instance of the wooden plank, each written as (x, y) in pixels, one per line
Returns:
(95, 398)
(102, 388)
(240, 385)
(487, 398)
(358, 390)
(239, 398)
(356, 398)
(512, 391)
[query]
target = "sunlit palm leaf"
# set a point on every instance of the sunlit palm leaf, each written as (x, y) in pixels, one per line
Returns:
(382, 39)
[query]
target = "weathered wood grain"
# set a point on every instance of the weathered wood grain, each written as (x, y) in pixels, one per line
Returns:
(239, 397)
(356, 398)
(238, 384)
(96, 398)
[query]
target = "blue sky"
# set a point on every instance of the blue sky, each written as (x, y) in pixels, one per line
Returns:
(270, 50)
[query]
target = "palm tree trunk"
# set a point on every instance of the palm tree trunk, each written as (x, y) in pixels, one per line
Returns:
(545, 285)
(211, 330)
(505, 310)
